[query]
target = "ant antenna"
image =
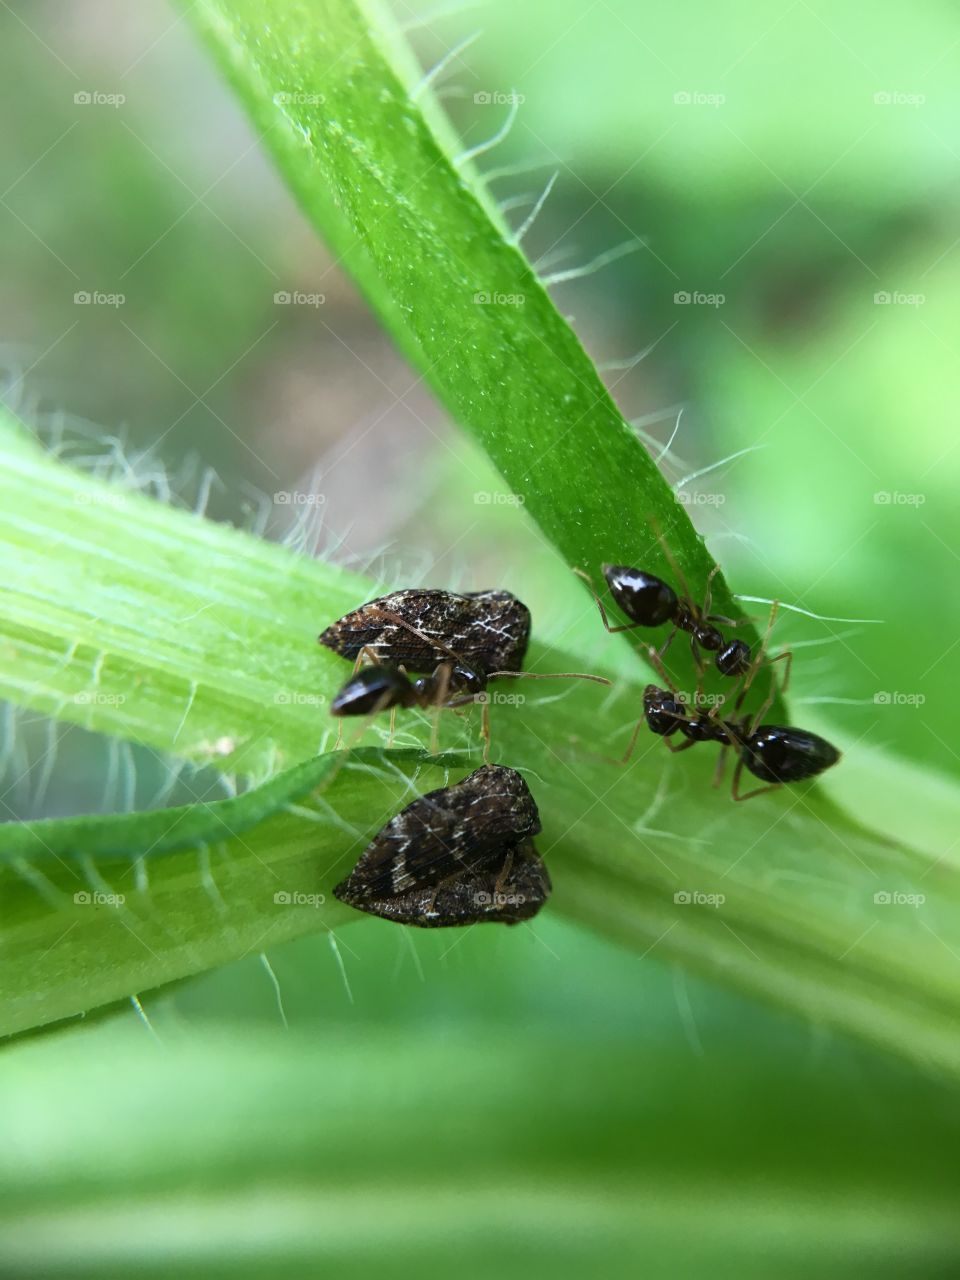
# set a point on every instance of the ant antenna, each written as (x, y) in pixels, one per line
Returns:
(551, 675)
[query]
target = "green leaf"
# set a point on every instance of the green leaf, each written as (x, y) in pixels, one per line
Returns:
(98, 908)
(546, 1155)
(198, 639)
(417, 232)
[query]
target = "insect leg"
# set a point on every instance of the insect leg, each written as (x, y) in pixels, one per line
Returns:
(624, 626)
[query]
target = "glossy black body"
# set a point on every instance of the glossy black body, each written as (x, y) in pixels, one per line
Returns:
(663, 714)
(488, 630)
(733, 659)
(651, 602)
(773, 753)
(642, 597)
(455, 856)
(780, 753)
(373, 689)
(381, 688)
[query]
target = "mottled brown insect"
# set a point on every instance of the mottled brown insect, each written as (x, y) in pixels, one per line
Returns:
(488, 630)
(455, 856)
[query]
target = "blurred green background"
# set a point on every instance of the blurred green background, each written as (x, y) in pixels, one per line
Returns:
(797, 165)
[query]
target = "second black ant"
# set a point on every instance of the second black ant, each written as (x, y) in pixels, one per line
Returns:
(775, 754)
(451, 685)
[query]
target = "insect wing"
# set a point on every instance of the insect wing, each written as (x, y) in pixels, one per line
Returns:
(449, 832)
(506, 890)
(487, 629)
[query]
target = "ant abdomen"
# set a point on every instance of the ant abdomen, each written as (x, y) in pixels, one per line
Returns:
(645, 599)
(778, 753)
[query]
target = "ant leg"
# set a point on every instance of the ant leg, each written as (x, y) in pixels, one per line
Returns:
(438, 700)
(684, 746)
(502, 877)
(764, 708)
(732, 622)
(785, 657)
(671, 559)
(366, 651)
(393, 726)
(721, 768)
(631, 746)
(697, 659)
(656, 661)
(708, 594)
(626, 626)
(485, 729)
(625, 758)
(758, 791)
(668, 642)
(761, 654)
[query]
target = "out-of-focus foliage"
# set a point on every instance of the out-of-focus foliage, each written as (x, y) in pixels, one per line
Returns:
(786, 1152)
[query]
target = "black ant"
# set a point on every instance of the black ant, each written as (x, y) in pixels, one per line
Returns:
(452, 684)
(776, 754)
(651, 602)
(648, 601)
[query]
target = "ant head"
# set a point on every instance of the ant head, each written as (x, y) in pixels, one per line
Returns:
(661, 710)
(464, 679)
(642, 597)
(734, 658)
(780, 753)
(372, 689)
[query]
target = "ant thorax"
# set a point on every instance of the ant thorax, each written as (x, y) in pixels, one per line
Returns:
(449, 680)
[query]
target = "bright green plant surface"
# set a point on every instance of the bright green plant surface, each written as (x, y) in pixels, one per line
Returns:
(197, 639)
(159, 628)
(396, 1153)
(419, 238)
